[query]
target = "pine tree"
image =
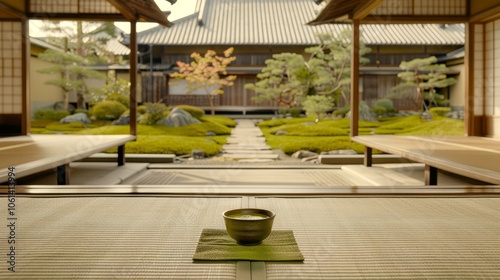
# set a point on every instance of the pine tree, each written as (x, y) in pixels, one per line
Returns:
(84, 45)
(288, 78)
(421, 78)
(330, 64)
(73, 70)
(284, 80)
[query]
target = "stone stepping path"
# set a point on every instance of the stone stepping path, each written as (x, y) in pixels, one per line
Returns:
(247, 144)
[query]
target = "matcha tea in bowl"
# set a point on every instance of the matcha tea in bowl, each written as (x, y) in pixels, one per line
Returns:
(249, 226)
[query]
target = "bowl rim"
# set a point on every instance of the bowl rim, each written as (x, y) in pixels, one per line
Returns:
(251, 209)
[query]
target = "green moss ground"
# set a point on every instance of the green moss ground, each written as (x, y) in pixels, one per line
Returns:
(152, 139)
(333, 134)
(303, 133)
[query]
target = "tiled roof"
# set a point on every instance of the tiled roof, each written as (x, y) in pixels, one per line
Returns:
(283, 22)
(113, 44)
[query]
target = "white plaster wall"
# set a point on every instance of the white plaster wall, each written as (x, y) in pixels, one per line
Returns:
(457, 96)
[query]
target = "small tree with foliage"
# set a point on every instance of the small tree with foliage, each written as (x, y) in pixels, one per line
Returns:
(288, 78)
(421, 78)
(330, 64)
(115, 89)
(207, 72)
(284, 80)
(84, 45)
(317, 105)
(73, 71)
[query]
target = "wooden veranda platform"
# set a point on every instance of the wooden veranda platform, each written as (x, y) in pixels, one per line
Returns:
(36, 153)
(473, 157)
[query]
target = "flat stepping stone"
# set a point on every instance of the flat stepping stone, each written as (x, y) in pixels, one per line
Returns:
(246, 137)
(230, 140)
(247, 151)
(245, 134)
(246, 147)
(251, 156)
(256, 160)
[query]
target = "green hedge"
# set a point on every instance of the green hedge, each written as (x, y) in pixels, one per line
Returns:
(386, 103)
(45, 114)
(108, 110)
(439, 111)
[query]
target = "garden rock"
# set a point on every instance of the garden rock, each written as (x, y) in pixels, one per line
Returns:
(457, 115)
(177, 118)
(426, 116)
(197, 154)
(365, 114)
(304, 154)
(281, 132)
(79, 117)
(347, 152)
(340, 152)
(309, 159)
(123, 120)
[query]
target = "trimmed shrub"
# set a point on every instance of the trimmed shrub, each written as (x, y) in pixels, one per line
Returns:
(196, 112)
(154, 112)
(386, 103)
(379, 110)
(342, 111)
(282, 111)
(295, 112)
(141, 109)
(439, 111)
(85, 111)
(125, 100)
(51, 114)
(108, 110)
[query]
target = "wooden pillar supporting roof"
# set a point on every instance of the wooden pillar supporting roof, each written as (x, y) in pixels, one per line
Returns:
(477, 122)
(133, 78)
(15, 110)
(355, 78)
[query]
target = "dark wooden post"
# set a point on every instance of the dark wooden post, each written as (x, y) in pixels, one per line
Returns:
(355, 78)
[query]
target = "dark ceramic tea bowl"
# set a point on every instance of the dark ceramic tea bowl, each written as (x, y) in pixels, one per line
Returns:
(249, 226)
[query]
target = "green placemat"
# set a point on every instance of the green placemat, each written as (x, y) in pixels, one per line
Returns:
(217, 245)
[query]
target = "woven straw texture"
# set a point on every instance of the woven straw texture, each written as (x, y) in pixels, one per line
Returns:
(114, 238)
(389, 238)
(216, 244)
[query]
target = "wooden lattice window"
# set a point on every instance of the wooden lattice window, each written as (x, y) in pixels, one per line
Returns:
(10, 68)
(72, 6)
(443, 7)
(422, 7)
(96, 6)
(394, 7)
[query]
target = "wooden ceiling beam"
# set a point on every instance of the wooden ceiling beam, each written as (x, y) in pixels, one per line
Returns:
(365, 8)
(124, 10)
(409, 19)
(488, 15)
(11, 11)
(70, 16)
